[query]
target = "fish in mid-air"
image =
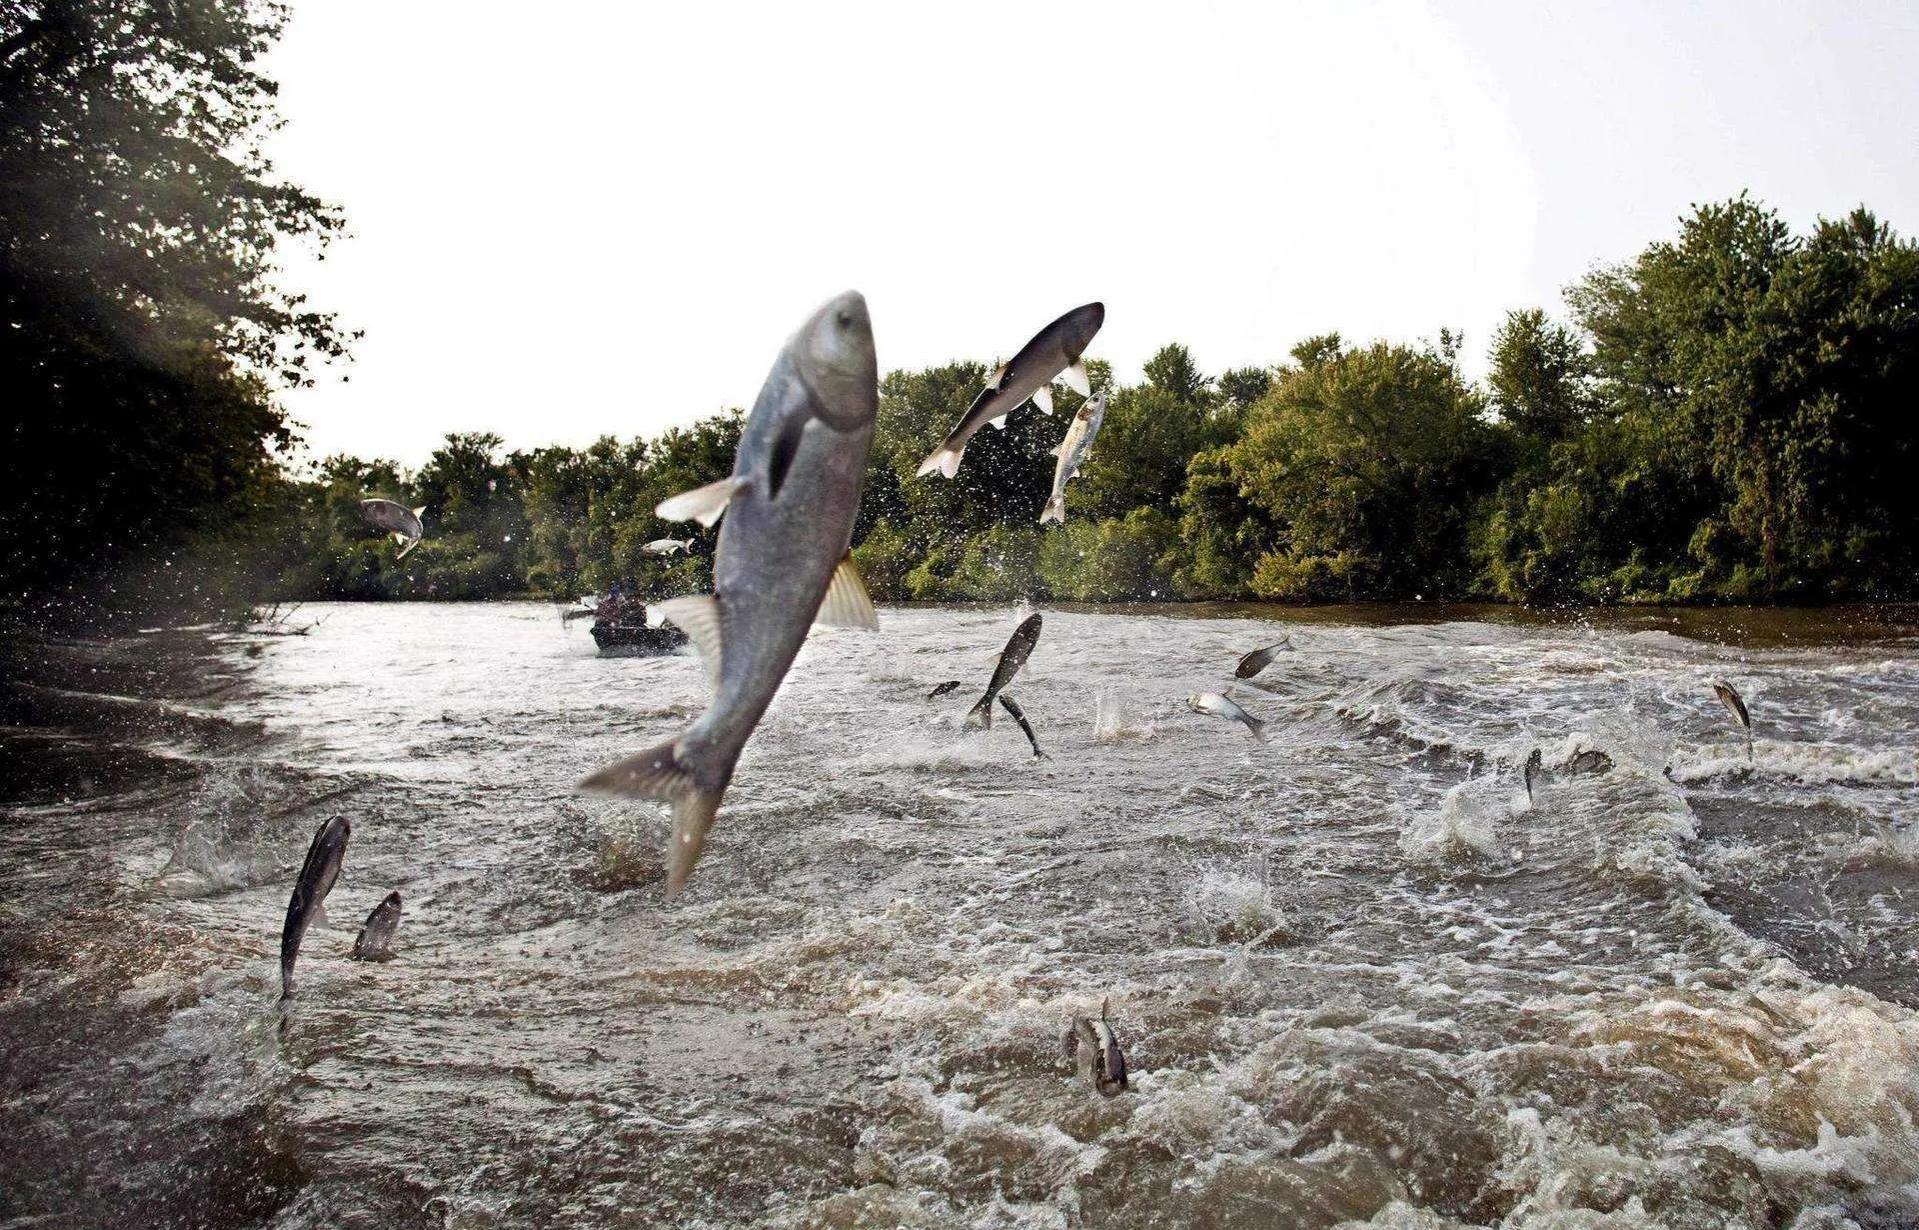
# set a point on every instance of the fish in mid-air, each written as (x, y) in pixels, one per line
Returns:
(1260, 659)
(1091, 1043)
(1074, 450)
(668, 546)
(1053, 354)
(1220, 706)
(781, 563)
(317, 874)
(1012, 706)
(1533, 764)
(1011, 658)
(395, 518)
(1736, 705)
(375, 941)
(941, 689)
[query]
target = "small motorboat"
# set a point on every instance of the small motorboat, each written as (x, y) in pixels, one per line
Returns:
(621, 631)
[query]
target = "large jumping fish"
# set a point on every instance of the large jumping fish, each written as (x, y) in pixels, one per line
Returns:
(317, 874)
(1053, 354)
(780, 564)
(1736, 705)
(396, 519)
(1075, 449)
(1094, 1047)
(1018, 646)
(375, 941)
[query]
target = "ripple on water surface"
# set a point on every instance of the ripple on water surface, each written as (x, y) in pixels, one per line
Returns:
(1362, 977)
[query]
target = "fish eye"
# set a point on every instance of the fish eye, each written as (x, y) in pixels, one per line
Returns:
(844, 320)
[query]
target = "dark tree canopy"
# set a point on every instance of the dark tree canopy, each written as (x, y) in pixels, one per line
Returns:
(145, 332)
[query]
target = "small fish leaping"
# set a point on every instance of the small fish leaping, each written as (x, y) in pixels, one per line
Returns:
(1220, 706)
(669, 546)
(395, 518)
(1736, 705)
(781, 563)
(317, 874)
(1260, 659)
(1094, 1047)
(1073, 451)
(1011, 658)
(1012, 706)
(375, 941)
(1053, 354)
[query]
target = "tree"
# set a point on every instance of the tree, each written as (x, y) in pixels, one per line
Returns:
(1539, 377)
(1366, 465)
(144, 328)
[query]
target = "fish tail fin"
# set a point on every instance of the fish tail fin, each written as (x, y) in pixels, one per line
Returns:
(945, 459)
(1055, 510)
(1257, 726)
(980, 716)
(659, 773)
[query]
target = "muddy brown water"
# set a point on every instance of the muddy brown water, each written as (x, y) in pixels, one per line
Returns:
(1359, 977)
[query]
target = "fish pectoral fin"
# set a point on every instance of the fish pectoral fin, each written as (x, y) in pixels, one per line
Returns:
(698, 615)
(847, 604)
(1043, 398)
(410, 544)
(1076, 379)
(702, 504)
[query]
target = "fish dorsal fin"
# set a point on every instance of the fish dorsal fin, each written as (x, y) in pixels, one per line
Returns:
(999, 374)
(702, 504)
(420, 511)
(999, 424)
(1076, 380)
(1043, 398)
(698, 615)
(846, 604)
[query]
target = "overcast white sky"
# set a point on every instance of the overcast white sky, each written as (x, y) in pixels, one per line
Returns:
(572, 220)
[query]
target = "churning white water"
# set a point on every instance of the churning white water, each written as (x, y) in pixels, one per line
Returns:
(1360, 977)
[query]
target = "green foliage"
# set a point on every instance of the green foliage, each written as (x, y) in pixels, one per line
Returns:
(144, 330)
(1128, 558)
(1724, 420)
(1364, 466)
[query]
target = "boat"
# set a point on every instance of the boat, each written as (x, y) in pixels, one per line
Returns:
(620, 630)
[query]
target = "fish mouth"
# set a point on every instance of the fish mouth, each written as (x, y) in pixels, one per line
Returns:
(838, 364)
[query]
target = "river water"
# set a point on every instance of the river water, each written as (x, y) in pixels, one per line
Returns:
(1360, 979)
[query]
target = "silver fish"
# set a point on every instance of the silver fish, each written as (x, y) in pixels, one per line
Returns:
(1074, 450)
(1011, 658)
(375, 941)
(1095, 1048)
(317, 874)
(668, 546)
(780, 564)
(1219, 706)
(1053, 354)
(941, 689)
(1260, 659)
(396, 519)
(1736, 705)
(1533, 765)
(1012, 706)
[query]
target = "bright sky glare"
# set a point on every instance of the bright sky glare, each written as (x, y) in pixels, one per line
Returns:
(577, 220)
